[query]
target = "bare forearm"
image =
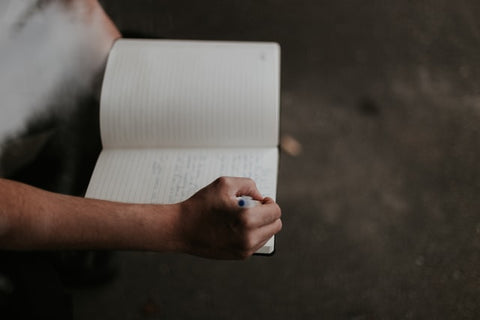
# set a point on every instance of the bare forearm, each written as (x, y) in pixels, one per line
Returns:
(209, 224)
(31, 218)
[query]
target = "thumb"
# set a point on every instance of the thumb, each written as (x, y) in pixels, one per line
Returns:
(249, 188)
(237, 187)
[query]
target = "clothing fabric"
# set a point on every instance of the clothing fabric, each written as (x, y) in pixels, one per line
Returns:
(49, 56)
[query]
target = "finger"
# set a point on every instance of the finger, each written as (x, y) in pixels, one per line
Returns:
(236, 187)
(262, 215)
(247, 187)
(268, 200)
(260, 245)
(267, 232)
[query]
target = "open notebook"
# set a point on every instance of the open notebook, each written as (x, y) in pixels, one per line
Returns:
(175, 115)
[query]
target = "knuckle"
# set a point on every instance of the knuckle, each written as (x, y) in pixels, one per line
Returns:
(277, 211)
(251, 182)
(274, 215)
(279, 225)
(222, 182)
(219, 181)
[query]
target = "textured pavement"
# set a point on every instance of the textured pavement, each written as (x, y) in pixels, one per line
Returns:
(380, 208)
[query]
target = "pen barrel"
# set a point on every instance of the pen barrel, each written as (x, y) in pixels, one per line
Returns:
(247, 202)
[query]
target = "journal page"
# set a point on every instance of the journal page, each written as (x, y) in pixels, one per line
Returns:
(174, 94)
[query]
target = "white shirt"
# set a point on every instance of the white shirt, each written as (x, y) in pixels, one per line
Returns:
(43, 52)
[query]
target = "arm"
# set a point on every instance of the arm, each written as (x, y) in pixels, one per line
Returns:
(209, 224)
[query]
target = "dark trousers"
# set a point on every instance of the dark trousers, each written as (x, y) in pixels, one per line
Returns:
(30, 288)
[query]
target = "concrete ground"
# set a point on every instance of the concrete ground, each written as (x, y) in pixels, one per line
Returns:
(380, 209)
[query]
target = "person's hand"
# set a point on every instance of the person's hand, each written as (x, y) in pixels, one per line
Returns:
(212, 224)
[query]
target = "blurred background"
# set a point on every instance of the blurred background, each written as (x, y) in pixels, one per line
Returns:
(379, 174)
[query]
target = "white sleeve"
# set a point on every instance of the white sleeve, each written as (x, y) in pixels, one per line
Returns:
(44, 51)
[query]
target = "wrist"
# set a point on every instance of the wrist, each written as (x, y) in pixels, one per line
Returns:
(161, 227)
(182, 226)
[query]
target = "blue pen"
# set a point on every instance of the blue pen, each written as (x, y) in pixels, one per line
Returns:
(247, 202)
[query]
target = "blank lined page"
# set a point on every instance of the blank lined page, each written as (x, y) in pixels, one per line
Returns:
(159, 93)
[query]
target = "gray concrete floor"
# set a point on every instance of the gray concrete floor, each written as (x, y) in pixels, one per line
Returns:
(380, 209)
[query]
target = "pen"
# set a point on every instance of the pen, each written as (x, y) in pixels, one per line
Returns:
(247, 202)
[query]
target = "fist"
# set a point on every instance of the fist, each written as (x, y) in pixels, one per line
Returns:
(212, 224)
